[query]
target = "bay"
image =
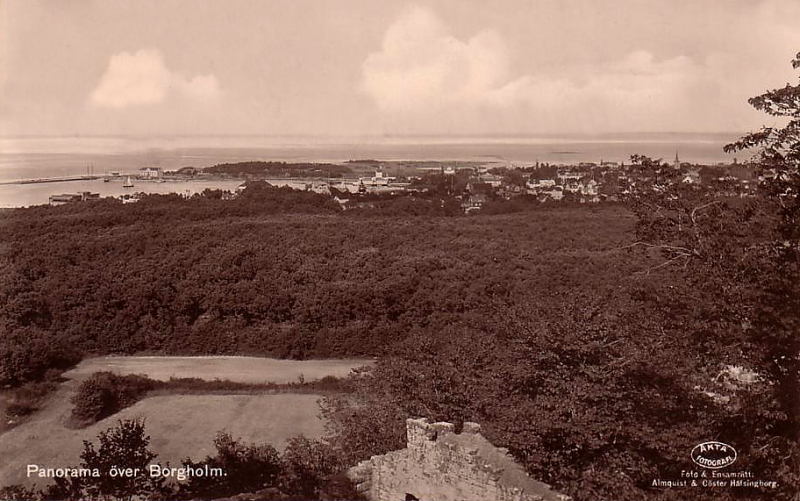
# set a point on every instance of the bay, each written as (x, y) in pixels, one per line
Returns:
(43, 157)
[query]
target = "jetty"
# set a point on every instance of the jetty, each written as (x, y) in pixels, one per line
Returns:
(59, 179)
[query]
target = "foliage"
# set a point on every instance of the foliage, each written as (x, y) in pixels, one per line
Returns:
(307, 467)
(514, 177)
(587, 394)
(279, 169)
(516, 204)
(371, 205)
(598, 357)
(121, 447)
(617, 384)
(25, 400)
(261, 197)
(17, 493)
(177, 276)
(776, 319)
(740, 266)
(28, 353)
(440, 184)
(247, 468)
(105, 393)
(327, 384)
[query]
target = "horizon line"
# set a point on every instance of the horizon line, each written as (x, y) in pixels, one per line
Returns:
(376, 136)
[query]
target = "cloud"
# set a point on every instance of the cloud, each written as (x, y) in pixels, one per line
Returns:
(422, 70)
(421, 64)
(636, 82)
(142, 78)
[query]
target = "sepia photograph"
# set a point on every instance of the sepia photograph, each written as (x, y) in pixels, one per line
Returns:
(391, 250)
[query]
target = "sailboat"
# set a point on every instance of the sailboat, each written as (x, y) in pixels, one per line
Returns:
(128, 183)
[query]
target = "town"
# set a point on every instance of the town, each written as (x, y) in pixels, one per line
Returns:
(359, 183)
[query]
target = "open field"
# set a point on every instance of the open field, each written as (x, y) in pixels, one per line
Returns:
(239, 369)
(178, 425)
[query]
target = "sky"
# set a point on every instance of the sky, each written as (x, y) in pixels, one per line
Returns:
(372, 67)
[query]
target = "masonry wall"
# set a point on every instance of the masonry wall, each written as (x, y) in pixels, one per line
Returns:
(442, 466)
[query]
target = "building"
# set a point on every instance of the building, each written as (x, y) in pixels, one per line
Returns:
(691, 177)
(555, 193)
(62, 199)
(441, 465)
(491, 179)
(130, 198)
(320, 188)
(150, 173)
(477, 188)
(66, 198)
(589, 187)
(473, 202)
(565, 177)
(536, 184)
(379, 179)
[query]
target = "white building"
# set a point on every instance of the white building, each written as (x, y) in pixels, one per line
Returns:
(589, 188)
(691, 177)
(150, 173)
(554, 193)
(491, 179)
(379, 179)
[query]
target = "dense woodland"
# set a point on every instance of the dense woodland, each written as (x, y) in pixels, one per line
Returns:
(279, 169)
(572, 345)
(169, 275)
(599, 344)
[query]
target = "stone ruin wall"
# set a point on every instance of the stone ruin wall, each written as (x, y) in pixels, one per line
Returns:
(430, 469)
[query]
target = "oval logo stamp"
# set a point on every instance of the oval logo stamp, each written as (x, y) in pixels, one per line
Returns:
(713, 455)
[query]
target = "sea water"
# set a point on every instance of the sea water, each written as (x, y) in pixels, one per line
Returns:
(43, 157)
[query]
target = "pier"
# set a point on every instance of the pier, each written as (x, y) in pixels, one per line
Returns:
(60, 179)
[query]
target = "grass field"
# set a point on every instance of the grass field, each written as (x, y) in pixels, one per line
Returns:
(178, 425)
(240, 369)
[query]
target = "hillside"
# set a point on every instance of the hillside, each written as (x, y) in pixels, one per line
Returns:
(597, 359)
(184, 277)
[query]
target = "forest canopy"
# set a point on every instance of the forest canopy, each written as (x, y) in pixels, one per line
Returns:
(279, 169)
(598, 344)
(278, 272)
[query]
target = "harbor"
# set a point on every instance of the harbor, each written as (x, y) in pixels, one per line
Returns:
(14, 195)
(60, 179)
